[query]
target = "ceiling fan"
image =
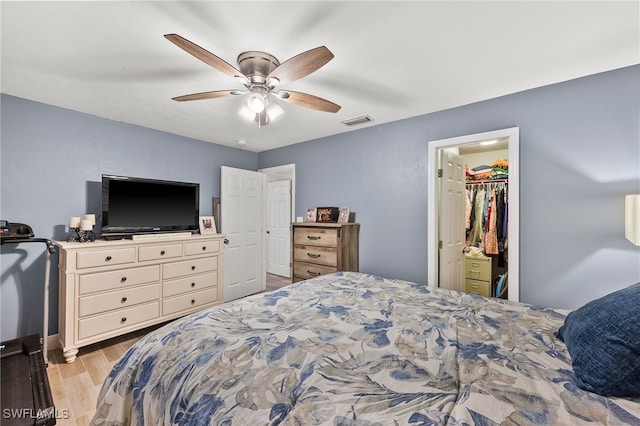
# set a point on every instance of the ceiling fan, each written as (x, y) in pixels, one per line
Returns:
(261, 74)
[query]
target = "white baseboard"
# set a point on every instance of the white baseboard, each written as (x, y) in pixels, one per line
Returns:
(53, 342)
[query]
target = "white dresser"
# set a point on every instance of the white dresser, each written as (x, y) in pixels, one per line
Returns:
(109, 288)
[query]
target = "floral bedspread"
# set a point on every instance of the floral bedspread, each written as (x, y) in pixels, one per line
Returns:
(356, 349)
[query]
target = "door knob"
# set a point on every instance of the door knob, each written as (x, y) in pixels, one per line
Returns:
(226, 241)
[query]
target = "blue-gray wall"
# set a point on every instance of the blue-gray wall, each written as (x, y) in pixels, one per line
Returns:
(579, 155)
(52, 161)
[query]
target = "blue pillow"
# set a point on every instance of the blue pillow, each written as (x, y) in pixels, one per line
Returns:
(603, 339)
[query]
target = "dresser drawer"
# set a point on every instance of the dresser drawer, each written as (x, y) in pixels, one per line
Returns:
(483, 288)
(188, 267)
(316, 237)
(164, 251)
(312, 254)
(91, 259)
(305, 270)
(184, 285)
(191, 249)
(97, 303)
(478, 268)
(121, 318)
(189, 301)
(112, 280)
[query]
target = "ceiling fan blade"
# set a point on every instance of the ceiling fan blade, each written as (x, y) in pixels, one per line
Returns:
(310, 101)
(206, 56)
(207, 95)
(301, 65)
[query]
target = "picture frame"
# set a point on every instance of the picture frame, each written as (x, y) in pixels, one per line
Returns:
(343, 214)
(326, 214)
(311, 215)
(207, 225)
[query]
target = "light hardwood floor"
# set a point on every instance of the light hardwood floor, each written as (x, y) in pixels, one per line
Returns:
(75, 386)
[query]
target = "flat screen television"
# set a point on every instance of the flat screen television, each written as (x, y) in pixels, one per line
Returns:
(132, 205)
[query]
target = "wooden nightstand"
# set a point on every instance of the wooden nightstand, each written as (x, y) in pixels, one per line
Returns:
(322, 248)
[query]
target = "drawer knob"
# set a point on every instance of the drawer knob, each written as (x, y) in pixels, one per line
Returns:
(193, 268)
(204, 248)
(313, 237)
(314, 256)
(124, 319)
(193, 284)
(124, 299)
(193, 301)
(108, 258)
(123, 279)
(313, 274)
(162, 253)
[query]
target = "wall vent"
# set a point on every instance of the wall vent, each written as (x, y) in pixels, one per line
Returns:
(357, 120)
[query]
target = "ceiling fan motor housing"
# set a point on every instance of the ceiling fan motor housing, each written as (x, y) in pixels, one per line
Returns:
(257, 65)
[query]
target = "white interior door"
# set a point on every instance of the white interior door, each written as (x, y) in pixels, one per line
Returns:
(451, 221)
(278, 221)
(241, 196)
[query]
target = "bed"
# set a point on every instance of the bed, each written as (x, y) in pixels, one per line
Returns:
(356, 349)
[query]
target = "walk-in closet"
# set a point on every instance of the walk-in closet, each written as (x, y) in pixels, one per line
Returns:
(486, 221)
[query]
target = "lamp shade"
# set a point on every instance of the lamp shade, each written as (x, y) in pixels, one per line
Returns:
(632, 218)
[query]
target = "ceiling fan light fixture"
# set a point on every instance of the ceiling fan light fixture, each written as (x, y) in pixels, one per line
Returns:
(274, 111)
(261, 73)
(256, 102)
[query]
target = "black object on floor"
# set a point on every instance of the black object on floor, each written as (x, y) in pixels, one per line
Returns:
(26, 395)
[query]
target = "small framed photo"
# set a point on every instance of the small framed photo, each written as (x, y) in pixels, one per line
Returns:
(311, 215)
(207, 225)
(327, 214)
(343, 215)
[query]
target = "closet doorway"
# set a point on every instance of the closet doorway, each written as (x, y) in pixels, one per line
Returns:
(446, 210)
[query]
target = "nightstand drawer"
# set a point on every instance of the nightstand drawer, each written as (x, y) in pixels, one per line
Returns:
(191, 249)
(184, 285)
(164, 251)
(90, 259)
(188, 267)
(104, 281)
(117, 319)
(320, 255)
(189, 301)
(104, 302)
(316, 237)
(483, 288)
(305, 271)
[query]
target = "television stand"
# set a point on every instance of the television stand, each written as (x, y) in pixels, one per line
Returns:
(110, 288)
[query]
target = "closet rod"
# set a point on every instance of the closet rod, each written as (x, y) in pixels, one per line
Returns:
(502, 182)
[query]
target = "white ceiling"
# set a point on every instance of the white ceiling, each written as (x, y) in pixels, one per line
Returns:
(393, 60)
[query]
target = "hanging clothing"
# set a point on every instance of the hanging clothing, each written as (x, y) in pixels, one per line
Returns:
(486, 222)
(491, 236)
(476, 233)
(467, 210)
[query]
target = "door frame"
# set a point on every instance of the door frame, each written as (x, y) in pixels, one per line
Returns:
(513, 229)
(284, 172)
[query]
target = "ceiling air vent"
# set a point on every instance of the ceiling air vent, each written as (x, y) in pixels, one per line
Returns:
(357, 120)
